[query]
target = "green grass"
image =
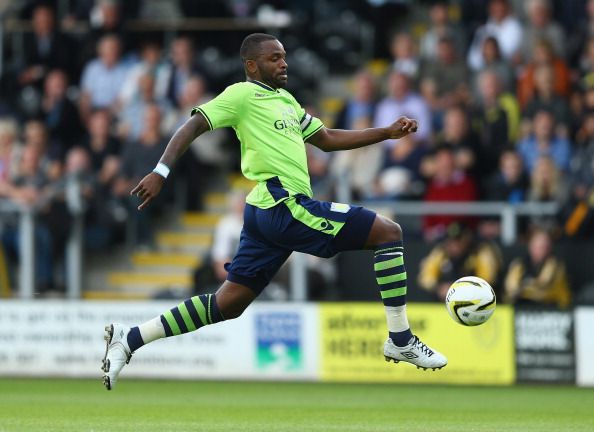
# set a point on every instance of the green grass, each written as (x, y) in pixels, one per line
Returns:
(146, 406)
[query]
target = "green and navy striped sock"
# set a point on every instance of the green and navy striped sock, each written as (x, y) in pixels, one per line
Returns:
(192, 314)
(188, 316)
(391, 278)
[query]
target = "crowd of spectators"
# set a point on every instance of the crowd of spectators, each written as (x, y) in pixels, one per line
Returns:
(505, 104)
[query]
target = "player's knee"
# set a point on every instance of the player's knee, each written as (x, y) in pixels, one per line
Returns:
(232, 311)
(394, 231)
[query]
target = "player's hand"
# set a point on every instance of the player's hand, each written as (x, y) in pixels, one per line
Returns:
(402, 127)
(148, 188)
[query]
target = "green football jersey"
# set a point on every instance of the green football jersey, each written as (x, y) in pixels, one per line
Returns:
(272, 128)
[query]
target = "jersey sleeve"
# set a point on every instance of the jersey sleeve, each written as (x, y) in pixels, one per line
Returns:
(222, 111)
(309, 124)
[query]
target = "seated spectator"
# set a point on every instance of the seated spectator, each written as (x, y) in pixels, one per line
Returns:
(102, 78)
(45, 49)
(60, 114)
(10, 153)
(546, 185)
(579, 209)
(444, 80)
(458, 254)
(509, 183)
(541, 26)
(495, 118)
(440, 26)
(151, 63)
(458, 134)
(402, 100)
(542, 54)
(401, 174)
(224, 245)
(544, 141)
(405, 58)
(106, 18)
(131, 116)
(138, 158)
(493, 61)
(102, 147)
(545, 99)
(447, 184)
(361, 104)
(181, 68)
(501, 25)
(580, 34)
(358, 169)
(546, 181)
(539, 277)
(209, 149)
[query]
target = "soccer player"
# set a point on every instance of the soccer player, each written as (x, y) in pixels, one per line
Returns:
(280, 216)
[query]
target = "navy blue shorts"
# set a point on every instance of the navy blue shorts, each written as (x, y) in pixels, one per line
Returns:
(297, 224)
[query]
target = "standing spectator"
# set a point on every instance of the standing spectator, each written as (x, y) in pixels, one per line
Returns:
(544, 141)
(402, 100)
(444, 81)
(541, 26)
(441, 26)
(504, 27)
(36, 136)
(138, 158)
(458, 254)
(27, 190)
(102, 78)
(447, 184)
(60, 113)
(538, 278)
(496, 117)
(45, 49)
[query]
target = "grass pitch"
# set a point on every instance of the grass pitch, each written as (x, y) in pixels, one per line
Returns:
(146, 406)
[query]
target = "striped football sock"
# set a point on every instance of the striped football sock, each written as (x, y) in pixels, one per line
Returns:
(188, 316)
(391, 278)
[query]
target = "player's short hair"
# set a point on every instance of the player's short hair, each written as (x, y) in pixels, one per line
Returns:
(250, 47)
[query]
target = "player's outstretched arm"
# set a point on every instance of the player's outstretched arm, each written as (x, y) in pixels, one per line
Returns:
(150, 186)
(340, 139)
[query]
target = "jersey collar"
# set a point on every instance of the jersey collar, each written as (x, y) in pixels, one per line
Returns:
(261, 84)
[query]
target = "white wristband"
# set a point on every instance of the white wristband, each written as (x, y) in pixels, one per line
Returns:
(162, 170)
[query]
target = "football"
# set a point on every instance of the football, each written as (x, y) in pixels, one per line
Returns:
(470, 301)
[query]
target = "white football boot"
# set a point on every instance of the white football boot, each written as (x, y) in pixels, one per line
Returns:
(117, 353)
(416, 353)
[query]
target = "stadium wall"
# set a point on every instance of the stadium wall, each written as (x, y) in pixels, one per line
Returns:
(338, 342)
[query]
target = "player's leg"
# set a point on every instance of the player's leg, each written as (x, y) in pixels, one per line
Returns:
(385, 238)
(254, 264)
(229, 302)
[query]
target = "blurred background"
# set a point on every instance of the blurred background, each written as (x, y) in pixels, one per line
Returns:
(498, 182)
